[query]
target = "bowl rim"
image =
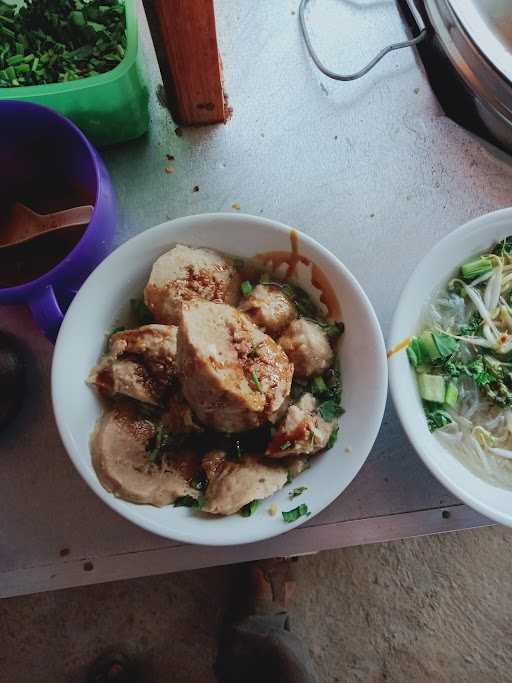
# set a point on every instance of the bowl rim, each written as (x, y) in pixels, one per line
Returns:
(250, 535)
(479, 224)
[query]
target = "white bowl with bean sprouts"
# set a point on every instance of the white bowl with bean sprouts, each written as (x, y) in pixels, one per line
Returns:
(450, 363)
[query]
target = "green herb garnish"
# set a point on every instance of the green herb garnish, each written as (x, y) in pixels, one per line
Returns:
(292, 515)
(436, 417)
(417, 353)
(159, 441)
(504, 247)
(297, 492)
(286, 445)
(471, 328)
(55, 41)
(116, 330)
(246, 287)
(250, 508)
(190, 502)
(141, 312)
(330, 410)
(333, 438)
(446, 345)
(256, 381)
(319, 386)
(332, 329)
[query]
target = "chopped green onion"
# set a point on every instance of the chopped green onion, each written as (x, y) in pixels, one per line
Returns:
(190, 502)
(286, 445)
(333, 438)
(319, 386)
(256, 381)
(250, 508)
(158, 441)
(15, 59)
(476, 268)
(68, 39)
(417, 353)
(297, 492)
(293, 515)
(246, 287)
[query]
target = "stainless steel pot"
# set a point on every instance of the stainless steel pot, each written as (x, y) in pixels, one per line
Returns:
(476, 37)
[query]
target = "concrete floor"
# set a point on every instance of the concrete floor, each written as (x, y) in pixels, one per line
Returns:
(431, 609)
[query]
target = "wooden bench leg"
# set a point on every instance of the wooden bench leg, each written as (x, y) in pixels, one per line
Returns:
(185, 40)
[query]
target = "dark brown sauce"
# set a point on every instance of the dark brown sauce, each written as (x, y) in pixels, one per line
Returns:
(25, 262)
(319, 280)
(280, 439)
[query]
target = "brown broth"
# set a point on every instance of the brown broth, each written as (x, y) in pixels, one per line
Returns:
(25, 262)
(319, 281)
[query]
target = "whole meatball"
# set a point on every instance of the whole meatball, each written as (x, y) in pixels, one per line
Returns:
(308, 348)
(269, 309)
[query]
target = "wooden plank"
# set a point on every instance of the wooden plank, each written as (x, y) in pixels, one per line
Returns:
(155, 560)
(185, 38)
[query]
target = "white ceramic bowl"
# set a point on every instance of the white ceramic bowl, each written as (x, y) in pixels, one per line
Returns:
(434, 271)
(122, 276)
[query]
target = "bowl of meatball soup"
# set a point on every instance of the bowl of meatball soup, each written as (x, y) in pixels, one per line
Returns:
(219, 379)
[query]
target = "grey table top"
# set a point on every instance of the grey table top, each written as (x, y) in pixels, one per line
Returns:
(372, 169)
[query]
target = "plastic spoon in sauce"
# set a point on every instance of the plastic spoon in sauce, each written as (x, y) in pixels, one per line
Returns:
(23, 224)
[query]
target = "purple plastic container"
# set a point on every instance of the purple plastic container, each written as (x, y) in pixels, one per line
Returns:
(36, 144)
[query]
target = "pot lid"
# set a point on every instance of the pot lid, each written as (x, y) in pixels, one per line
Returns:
(489, 25)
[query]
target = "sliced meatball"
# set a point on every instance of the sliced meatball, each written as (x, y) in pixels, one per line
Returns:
(269, 309)
(140, 363)
(120, 458)
(302, 432)
(231, 485)
(185, 274)
(308, 348)
(155, 343)
(233, 375)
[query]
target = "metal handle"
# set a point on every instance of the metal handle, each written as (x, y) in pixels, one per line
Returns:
(352, 77)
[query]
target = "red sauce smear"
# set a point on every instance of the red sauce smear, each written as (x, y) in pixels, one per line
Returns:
(319, 281)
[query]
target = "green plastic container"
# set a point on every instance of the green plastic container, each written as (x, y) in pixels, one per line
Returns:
(110, 107)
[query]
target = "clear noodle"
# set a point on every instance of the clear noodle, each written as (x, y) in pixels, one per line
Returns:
(464, 437)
